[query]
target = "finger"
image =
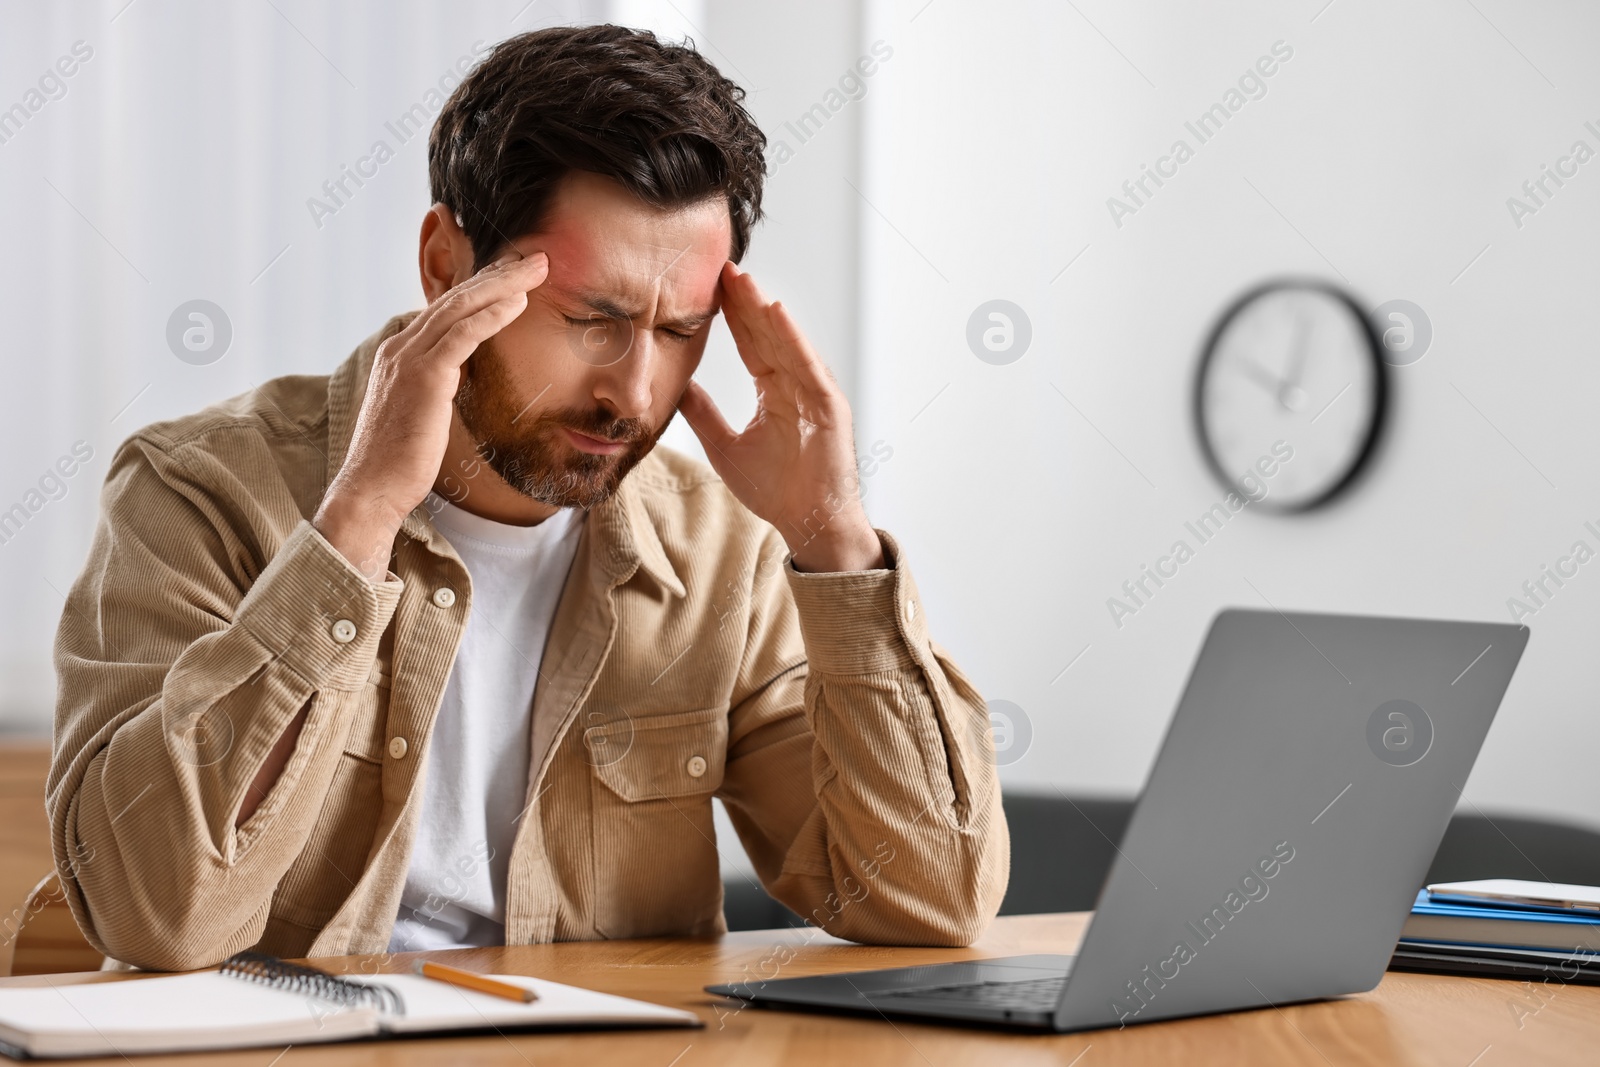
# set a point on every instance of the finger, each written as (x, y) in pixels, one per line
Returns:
(810, 369)
(762, 347)
(466, 334)
(499, 268)
(509, 265)
(801, 384)
(755, 290)
(511, 272)
(773, 344)
(774, 385)
(499, 280)
(817, 397)
(763, 333)
(506, 276)
(705, 419)
(750, 351)
(737, 312)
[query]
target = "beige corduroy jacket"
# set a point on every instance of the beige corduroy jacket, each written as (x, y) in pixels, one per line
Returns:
(687, 659)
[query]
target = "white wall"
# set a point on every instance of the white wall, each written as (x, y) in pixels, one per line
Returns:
(1387, 147)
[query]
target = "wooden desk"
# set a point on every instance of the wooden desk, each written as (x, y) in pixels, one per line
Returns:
(1408, 1019)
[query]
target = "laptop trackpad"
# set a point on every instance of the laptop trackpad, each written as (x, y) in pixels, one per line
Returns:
(973, 972)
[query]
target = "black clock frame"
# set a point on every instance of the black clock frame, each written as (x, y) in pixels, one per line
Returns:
(1380, 405)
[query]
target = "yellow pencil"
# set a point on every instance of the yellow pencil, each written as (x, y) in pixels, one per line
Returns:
(477, 982)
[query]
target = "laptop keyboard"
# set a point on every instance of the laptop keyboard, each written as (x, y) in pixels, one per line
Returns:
(1029, 994)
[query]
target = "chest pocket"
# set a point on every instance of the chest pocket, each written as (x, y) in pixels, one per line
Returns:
(660, 756)
(368, 737)
(656, 870)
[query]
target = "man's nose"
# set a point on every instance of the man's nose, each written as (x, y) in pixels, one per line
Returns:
(628, 384)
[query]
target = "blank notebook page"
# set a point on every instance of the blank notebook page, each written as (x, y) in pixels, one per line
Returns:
(208, 1010)
(432, 1005)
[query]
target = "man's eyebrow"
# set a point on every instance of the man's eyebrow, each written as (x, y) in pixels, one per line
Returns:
(612, 309)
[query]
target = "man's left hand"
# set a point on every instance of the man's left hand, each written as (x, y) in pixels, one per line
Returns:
(794, 465)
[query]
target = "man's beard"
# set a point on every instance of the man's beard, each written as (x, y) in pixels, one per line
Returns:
(531, 453)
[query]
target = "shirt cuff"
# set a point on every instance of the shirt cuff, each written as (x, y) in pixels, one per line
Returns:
(859, 622)
(317, 613)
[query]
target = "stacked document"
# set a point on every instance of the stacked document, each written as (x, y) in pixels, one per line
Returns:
(1499, 941)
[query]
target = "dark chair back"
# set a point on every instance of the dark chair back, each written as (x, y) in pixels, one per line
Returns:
(1514, 846)
(1062, 847)
(1061, 850)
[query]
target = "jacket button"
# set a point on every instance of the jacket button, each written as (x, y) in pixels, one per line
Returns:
(911, 611)
(343, 631)
(444, 596)
(696, 766)
(397, 747)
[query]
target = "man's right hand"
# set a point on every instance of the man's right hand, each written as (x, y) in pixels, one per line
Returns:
(404, 424)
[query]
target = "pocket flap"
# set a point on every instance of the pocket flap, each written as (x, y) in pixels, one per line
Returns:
(653, 756)
(367, 710)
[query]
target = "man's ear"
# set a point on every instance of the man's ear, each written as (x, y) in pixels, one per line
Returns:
(444, 255)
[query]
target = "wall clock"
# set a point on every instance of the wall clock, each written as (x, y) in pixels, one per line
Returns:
(1291, 395)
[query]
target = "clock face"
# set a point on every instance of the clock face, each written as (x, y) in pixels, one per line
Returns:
(1291, 395)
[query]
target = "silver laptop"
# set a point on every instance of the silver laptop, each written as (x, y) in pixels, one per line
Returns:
(1299, 796)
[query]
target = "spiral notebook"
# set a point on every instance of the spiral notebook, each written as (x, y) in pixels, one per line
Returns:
(260, 1001)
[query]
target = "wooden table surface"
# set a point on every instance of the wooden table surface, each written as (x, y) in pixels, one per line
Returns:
(1408, 1019)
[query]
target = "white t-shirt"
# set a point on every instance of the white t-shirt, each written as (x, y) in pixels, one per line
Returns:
(477, 773)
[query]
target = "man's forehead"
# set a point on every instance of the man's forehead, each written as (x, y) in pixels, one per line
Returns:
(635, 274)
(603, 240)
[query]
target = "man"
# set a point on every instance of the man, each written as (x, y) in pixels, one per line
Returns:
(439, 651)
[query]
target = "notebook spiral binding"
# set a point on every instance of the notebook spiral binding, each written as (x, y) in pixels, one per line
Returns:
(270, 971)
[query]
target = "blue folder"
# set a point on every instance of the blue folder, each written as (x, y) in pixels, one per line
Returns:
(1507, 927)
(1499, 942)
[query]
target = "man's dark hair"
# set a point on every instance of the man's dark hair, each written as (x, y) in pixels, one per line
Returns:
(654, 116)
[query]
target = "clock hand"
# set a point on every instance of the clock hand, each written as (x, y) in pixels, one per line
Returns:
(1290, 396)
(1260, 375)
(1297, 358)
